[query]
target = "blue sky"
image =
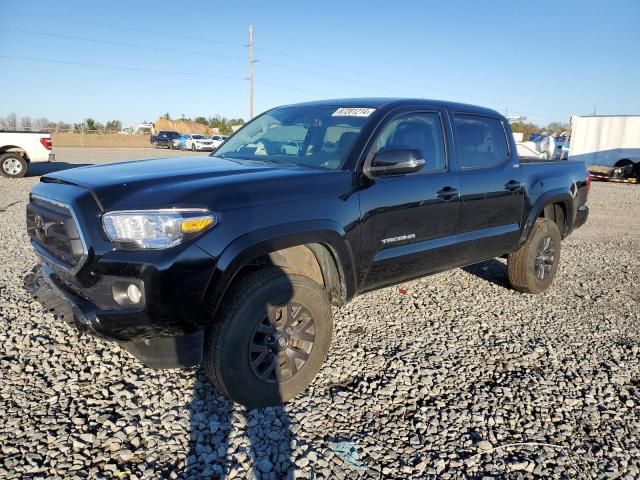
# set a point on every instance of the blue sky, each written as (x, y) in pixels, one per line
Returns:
(545, 60)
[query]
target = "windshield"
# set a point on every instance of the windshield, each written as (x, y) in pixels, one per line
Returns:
(314, 136)
(198, 137)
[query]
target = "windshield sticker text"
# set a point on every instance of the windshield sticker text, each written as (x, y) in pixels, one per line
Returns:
(353, 112)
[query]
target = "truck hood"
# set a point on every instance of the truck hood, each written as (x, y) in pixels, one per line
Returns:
(184, 181)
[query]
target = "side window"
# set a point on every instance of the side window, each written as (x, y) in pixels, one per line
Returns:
(417, 130)
(482, 141)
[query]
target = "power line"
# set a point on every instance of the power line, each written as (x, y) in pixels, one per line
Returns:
(120, 67)
(333, 77)
(172, 50)
(146, 70)
(132, 29)
(303, 59)
(368, 74)
(190, 52)
(287, 55)
(170, 72)
(120, 44)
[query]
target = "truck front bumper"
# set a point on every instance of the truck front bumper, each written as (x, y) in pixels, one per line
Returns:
(153, 337)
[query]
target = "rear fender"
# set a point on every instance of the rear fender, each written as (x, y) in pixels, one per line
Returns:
(559, 195)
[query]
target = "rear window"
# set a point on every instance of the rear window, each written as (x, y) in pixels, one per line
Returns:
(481, 141)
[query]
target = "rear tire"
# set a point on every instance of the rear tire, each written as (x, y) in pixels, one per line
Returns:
(623, 169)
(532, 268)
(270, 339)
(13, 165)
(193, 147)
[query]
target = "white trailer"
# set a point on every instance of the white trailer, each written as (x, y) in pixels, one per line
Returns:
(608, 144)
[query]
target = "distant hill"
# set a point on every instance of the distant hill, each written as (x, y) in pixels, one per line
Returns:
(184, 126)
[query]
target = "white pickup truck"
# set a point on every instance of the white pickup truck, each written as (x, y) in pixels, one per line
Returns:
(19, 149)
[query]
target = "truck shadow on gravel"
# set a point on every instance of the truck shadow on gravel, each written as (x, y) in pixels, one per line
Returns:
(494, 271)
(39, 169)
(226, 438)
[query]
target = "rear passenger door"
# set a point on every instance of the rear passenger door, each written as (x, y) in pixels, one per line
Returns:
(491, 189)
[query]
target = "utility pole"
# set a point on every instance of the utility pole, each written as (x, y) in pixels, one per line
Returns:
(250, 72)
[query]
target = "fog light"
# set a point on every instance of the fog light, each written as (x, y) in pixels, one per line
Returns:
(134, 294)
(128, 293)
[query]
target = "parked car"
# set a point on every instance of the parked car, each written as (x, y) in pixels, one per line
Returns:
(236, 262)
(20, 149)
(182, 141)
(218, 140)
(164, 138)
(195, 142)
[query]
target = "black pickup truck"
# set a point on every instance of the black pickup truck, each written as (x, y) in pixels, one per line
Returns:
(234, 260)
(164, 138)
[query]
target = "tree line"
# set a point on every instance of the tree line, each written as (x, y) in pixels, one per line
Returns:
(28, 124)
(88, 125)
(527, 128)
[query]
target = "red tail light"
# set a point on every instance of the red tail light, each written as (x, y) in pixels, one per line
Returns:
(46, 142)
(588, 182)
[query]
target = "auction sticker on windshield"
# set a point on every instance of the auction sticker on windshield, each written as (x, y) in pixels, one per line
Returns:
(353, 112)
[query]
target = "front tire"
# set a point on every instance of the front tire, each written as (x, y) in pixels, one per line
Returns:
(270, 339)
(193, 147)
(532, 268)
(13, 165)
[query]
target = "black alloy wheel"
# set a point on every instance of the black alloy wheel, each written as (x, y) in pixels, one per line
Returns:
(270, 337)
(545, 257)
(281, 343)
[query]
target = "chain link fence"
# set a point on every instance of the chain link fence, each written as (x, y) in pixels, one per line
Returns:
(98, 138)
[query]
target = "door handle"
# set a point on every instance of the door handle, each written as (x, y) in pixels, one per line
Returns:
(447, 194)
(513, 185)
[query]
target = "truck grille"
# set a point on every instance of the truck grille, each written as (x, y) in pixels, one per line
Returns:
(54, 233)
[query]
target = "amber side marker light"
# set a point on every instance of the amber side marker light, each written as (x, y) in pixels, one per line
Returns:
(196, 224)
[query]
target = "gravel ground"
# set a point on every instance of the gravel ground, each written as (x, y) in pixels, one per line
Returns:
(459, 377)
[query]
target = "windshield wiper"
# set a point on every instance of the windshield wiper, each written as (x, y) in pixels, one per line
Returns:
(269, 160)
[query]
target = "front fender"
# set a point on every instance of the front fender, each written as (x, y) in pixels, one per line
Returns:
(558, 195)
(260, 242)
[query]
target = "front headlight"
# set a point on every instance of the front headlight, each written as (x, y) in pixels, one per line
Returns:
(155, 229)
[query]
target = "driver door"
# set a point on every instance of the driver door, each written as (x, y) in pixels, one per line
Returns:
(409, 220)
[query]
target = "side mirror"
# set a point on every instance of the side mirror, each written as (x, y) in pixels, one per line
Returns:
(395, 161)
